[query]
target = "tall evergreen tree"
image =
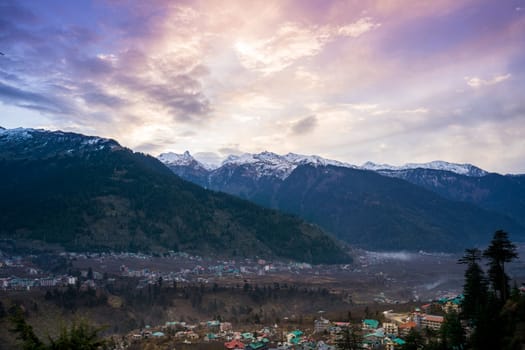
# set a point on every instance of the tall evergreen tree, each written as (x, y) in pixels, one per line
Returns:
(475, 287)
(413, 341)
(81, 336)
(452, 333)
(24, 331)
(487, 333)
(500, 251)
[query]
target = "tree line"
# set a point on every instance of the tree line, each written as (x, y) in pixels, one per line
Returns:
(492, 313)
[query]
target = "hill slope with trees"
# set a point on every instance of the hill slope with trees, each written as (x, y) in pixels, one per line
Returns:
(88, 193)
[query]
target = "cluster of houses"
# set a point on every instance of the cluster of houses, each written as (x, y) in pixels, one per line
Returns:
(206, 271)
(371, 331)
(388, 334)
(28, 283)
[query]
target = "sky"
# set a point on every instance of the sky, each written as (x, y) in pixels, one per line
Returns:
(388, 81)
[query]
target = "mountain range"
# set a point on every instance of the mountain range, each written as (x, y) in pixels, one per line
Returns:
(436, 206)
(90, 193)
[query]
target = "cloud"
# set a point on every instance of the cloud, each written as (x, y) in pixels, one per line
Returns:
(11, 9)
(364, 106)
(32, 100)
(230, 149)
(358, 28)
(208, 158)
(476, 82)
(181, 97)
(156, 69)
(203, 75)
(293, 41)
(101, 98)
(305, 125)
(419, 110)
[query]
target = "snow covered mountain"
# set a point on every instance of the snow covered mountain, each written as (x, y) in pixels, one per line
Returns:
(461, 169)
(88, 193)
(347, 200)
(185, 159)
(281, 166)
(185, 166)
(30, 143)
(265, 164)
(274, 165)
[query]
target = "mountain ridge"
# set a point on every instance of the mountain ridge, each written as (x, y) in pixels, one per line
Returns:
(272, 181)
(102, 196)
(287, 162)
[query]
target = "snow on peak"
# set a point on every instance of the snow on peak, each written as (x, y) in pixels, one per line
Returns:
(55, 142)
(17, 133)
(315, 160)
(269, 164)
(175, 159)
(272, 164)
(462, 169)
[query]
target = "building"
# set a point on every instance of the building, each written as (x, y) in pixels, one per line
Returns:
(429, 321)
(452, 304)
(225, 326)
(234, 344)
(294, 337)
(257, 346)
(405, 328)
(321, 325)
(393, 343)
(369, 324)
(390, 328)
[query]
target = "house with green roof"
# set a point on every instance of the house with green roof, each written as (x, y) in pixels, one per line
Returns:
(247, 336)
(372, 340)
(294, 337)
(257, 346)
(393, 343)
(370, 324)
(211, 336)
(297, 333)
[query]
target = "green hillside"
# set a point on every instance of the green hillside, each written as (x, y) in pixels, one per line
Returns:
(100, 196)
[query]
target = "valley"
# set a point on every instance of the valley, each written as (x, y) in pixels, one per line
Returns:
(127, 291)
(92, 230)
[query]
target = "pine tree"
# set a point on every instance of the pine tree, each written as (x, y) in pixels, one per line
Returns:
(475, 287)
(413, 341)
(452, 333)
(500, 251)
(25, 331)
(80, 335)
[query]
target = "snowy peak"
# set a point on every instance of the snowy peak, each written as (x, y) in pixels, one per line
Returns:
(265, 164)
(44, 142)
(315, 160)
(461, 169)
(281, 166)
(269, 164)
(185, 159)
(176, 158)
(17, 134)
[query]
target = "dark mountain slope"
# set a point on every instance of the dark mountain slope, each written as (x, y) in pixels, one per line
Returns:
(371, 210)
(501, 193)
(90, 193)
(359, 206)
